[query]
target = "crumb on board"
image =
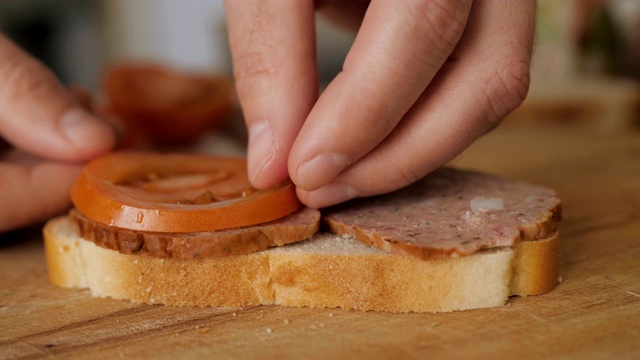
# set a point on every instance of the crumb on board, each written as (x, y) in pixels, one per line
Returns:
(202, 330)
(269, 331)
(560, 279)
(286, 321)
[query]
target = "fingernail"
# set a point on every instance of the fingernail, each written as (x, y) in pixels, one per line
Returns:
(84, 130)
(320, 170)
(261, 149)
(332, 194)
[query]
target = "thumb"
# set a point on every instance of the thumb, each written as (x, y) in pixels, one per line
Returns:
(39, 116)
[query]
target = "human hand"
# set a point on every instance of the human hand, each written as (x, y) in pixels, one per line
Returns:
(421, 82)
(47, 133)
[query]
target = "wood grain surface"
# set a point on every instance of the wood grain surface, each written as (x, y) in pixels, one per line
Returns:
(594, 312)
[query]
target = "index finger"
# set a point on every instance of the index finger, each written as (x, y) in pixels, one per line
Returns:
(399, 49)
(273, 50)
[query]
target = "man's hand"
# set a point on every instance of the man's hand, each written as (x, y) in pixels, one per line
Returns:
(422, 81)
(47, 134)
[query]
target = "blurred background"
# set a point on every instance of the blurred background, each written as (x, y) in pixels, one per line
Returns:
(586, 61)
(78, 38)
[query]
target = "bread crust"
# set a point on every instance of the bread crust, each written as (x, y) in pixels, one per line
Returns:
(229, 281)
(536, 267)
(325, 271)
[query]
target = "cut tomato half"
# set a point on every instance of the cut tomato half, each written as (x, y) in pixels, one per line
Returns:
(176, 193)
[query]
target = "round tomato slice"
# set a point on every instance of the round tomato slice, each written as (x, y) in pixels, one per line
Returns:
(176, 193)
(171, 107)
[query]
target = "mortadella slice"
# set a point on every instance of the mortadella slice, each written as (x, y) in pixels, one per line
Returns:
(450, 213)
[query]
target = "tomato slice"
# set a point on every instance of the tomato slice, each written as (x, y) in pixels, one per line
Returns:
(171, 107)
(176, 193)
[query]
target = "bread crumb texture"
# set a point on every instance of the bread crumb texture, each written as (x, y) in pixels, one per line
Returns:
(325, 271)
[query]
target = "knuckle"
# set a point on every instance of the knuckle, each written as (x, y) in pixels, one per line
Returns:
(507, 89)
(442, 18)
(25, 79)
(253, 65)
(255, 61)
(404, 176)
(383, 118)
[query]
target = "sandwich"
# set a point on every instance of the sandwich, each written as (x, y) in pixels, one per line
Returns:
(189, 230)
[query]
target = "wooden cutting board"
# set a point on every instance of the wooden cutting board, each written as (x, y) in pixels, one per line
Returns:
(594, 312)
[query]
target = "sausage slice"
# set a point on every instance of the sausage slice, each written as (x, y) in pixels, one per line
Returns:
(295, 227)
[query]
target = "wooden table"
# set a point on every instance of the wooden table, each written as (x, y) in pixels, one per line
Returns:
(594, 312)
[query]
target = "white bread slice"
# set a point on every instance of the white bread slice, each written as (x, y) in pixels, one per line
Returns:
(325, 271)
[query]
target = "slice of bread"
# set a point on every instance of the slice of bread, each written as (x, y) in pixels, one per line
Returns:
(324, 271)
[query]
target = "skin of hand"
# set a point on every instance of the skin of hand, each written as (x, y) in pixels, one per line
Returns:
(422, 80)
(46, 133)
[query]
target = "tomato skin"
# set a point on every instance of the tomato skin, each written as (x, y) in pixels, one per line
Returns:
(103, 193)
(171, 107)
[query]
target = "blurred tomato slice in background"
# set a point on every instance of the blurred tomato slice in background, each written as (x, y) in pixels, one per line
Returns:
(167, 107)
